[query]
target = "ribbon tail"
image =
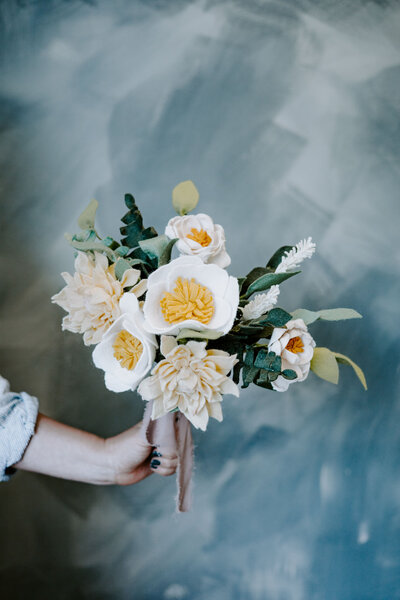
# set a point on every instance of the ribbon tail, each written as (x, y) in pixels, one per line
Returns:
(185, 463)
(173, 433)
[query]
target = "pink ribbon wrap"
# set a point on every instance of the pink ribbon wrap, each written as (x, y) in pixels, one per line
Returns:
(173, 433)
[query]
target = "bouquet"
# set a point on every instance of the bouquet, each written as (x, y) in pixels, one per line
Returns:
(181, 330)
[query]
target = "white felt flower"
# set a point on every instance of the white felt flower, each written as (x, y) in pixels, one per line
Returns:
(199, 236)
(191, 379)
(295, 346)
(92, 294)
(187, 293)
(126, 352)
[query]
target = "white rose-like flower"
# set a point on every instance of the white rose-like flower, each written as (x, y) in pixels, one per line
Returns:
(191, 379)
(295, 346)
(92, 294)
(187, 293)
(126, 352)
(199, 236)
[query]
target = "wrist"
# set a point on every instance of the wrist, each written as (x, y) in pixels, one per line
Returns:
(109, 454)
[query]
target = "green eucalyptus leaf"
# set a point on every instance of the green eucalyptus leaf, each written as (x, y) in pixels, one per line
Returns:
(330, 314)
(241, 281)
(91, 246)
(273, 376)
(341, 358)
(134, 262)
(122, 250)
(165, 256)
(87, 235)
(268, 360)
(185, 197)
(154, 247)
(248, 375)
(111, 243)
(247, 329)
(289, 374)
(264, 379)
(254, 274)
(267, 280)
(87, 217)
(207, 334)
(276, 317)
(238, 367)
(249, 357)
(324, 365)
(276, 258)
(134, 231)
(121, 266)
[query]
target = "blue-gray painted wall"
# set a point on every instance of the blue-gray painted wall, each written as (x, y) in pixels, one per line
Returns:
(286, 116)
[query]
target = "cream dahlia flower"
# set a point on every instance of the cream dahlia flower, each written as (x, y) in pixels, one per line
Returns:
(295, 346)
(199, 236)
(126, 352)
(92, 294)
(191, 379)
(187, 293)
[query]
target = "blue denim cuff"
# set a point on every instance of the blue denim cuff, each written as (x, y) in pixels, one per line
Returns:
(18, 415)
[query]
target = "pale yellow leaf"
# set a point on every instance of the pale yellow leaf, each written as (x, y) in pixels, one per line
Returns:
(324, 365)
(185, 197)
(358, 371)
(86, 219)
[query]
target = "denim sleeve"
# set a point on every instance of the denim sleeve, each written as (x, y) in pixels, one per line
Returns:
(18, 414)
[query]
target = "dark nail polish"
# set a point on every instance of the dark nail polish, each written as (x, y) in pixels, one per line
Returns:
(154, 463)
(155, 453)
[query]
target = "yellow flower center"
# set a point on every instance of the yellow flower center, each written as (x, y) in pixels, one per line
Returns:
(295, 345)
(200, 236)
(189, 300)
(127, 349)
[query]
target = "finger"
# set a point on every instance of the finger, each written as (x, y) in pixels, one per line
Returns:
(165, 467)
(157, 453)
(138, 474)
(164, 472)
(167, 463)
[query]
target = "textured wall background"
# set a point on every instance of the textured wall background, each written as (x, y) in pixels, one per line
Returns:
(286, 115)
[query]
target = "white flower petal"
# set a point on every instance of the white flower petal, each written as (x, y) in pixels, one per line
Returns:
(158, 409)
(215, 411)
(200, 419)
(130, 277)
(114, 384)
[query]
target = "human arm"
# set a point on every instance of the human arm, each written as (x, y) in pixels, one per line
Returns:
(63, 451)
(33, 442)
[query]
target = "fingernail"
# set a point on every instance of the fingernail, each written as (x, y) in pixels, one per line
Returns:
(154, 464)
(155, 453)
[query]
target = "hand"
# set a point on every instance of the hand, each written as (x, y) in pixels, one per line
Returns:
(62, 451)
(131, 459)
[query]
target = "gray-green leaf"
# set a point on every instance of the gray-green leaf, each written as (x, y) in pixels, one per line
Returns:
(90, 246)
(121, 266)
(158, 248)
(207, 334)
(330, 314)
